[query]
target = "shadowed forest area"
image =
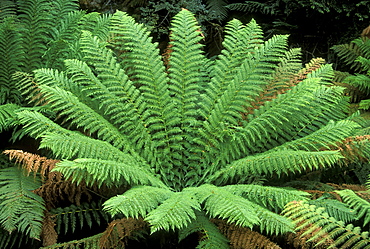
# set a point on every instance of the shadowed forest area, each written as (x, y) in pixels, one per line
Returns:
(184, 124)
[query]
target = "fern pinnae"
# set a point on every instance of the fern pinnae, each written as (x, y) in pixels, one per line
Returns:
(81, 115)
(321, 227)
(109, 172)
(185, 63)
(174, 213)
(63, 42)
(361, 206)
(231, 58)
(210, 237)
(325, 137)
(271, 198)
(142, 62)
(137, 201)
(20, 208)
(220, 203)
(276, 162)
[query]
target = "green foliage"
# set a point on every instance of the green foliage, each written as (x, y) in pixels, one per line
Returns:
(72, 217)
(314, 221)
(91, 242)
(210, 235)
(357, 55)
(20, 208)
(361, 206)
(188, 134)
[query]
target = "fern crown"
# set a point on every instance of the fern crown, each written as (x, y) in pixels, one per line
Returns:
(188, 132)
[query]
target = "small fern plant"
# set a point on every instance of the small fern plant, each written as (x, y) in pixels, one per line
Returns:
(190, 135)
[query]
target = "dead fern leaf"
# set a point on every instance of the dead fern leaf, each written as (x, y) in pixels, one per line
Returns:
(118, 232)
(242, 237)
(32, 162)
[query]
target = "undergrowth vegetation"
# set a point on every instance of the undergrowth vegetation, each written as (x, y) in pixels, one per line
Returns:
(174, 145)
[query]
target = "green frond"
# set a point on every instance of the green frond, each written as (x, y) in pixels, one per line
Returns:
(272, 198)
(15, 239)
(274, 224)
(361, 81)
(361, 206)
(276, 162)
(69, 218)
(111, 173)
(229, 62)
(336, 209)
(7, 9)
(10, 54)
(36, 125)
(321, 227)
(91, 242)
(36, 21)
(210, 238)
(20, 208)
(63, 42)
(176, 212)
(137, 201)
(325, 137)
(142, 63)
(63, 142)
(253, 6)
(285, 73)
(220, 203)
(81, 115)
(141, 60)
(248, 82)
(280, 115)
(348, 53)
(217, 9)
(61, 8)
(324, 72)
(117, 95)
(8, 116)
(97, 24)
(186, 63)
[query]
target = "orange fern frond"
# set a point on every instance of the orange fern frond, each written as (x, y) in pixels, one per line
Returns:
(118, 231)
(242, 237)
(32, 162)
(54, 188)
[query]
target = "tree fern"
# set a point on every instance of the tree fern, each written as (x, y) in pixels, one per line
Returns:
(184, 132)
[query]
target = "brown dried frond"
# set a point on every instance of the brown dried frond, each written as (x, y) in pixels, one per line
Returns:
(32, 162)
(315, 194)
(301, 242)
(366, 32)
(57, 189)
(48, 234)
(243, 237)
(119, 231)
(353, 187)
